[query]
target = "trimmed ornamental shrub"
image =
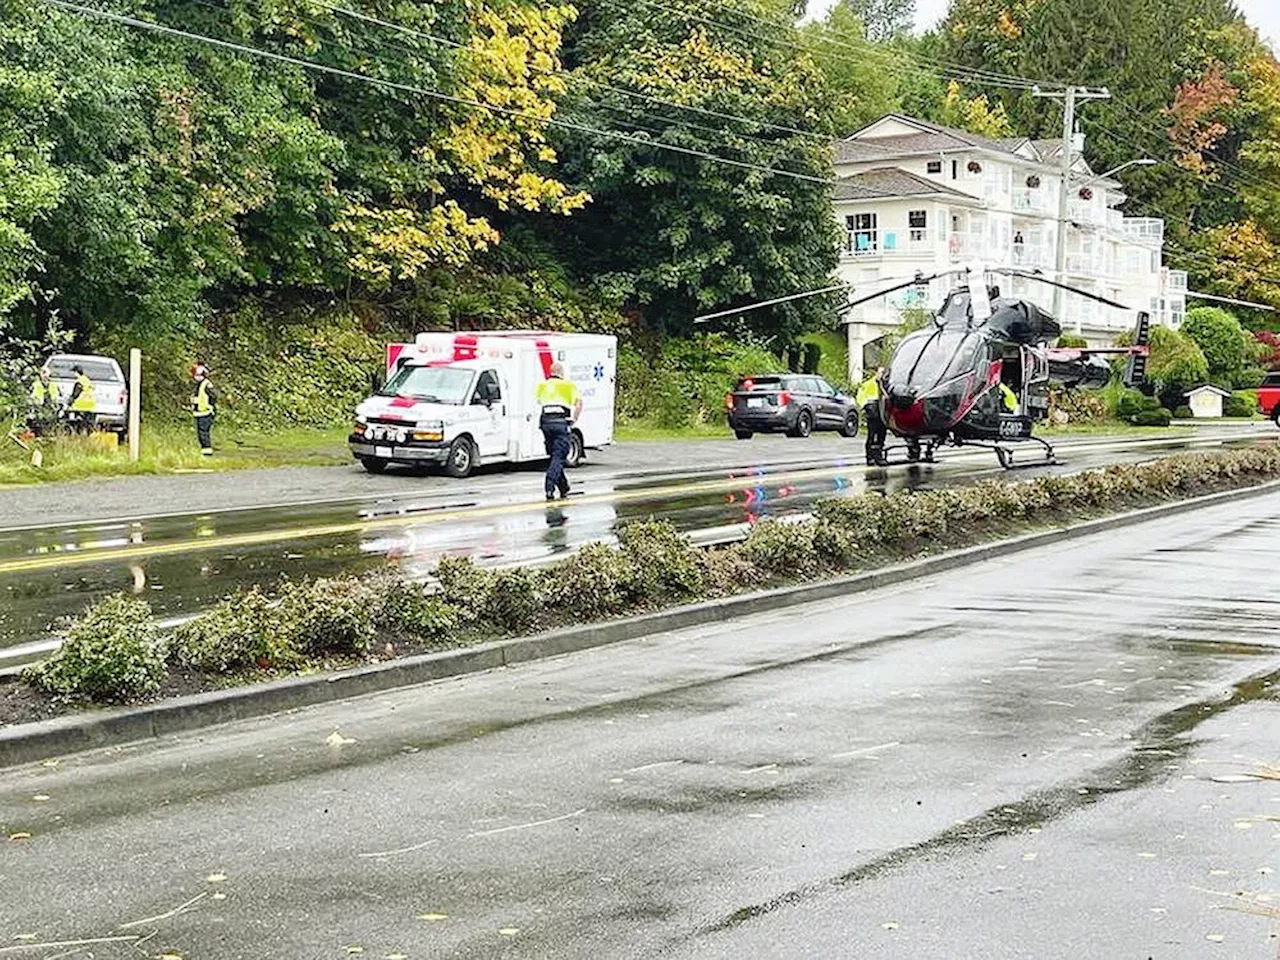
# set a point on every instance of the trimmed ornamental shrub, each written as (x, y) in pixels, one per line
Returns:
(725, 570)
(326, 615)
(1159, 417)
(400, 606)
(111, 652)
(514, 599)
(1183, 413)
(597, 581)
(1133, 402)
(1242, 403)
(782, 549)
(662, 559)
(465, 586)
(238, 632)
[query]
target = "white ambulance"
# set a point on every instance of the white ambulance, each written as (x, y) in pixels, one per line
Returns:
(460, 400)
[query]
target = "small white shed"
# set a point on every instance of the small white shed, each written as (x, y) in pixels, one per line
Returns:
(1206, 400)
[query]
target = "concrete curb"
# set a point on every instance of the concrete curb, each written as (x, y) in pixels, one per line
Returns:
(29, 742)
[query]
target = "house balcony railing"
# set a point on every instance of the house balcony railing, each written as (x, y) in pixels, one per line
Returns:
(1144, 229)
(889, 243)
(1030, 201)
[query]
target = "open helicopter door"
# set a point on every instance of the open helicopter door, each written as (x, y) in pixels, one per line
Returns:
(1135, 371)
(1035, 383)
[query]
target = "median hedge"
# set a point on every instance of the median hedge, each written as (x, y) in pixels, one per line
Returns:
(114, 652)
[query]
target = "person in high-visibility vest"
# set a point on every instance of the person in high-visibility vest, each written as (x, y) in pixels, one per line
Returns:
(82, 405)
(868, 399)
(44, 397)
(204, 406)
(1008, 398)
(561, 404)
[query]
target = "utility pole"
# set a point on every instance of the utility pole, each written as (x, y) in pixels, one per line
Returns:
(1069, 96)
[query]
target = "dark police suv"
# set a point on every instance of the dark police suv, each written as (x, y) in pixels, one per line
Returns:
(797, 403)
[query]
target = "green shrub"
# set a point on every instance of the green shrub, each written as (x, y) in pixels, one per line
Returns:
(238, 632)
(327, 615)
(1134, 402)
(725, 570)
(663, 561)
(1160, 417)
(111, 652)
(835, 546)
(1183, 413)
(597, 581)
(782, 549)
(400, 606)
(465, 587)
(1242, 403)
(514, 600)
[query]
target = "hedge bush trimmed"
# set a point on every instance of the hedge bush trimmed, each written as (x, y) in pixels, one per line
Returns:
(112, 651)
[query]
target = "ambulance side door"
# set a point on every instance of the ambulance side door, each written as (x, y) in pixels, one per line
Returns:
(492, 428)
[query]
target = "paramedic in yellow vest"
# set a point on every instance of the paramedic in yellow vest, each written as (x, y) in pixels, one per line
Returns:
(868, 400)
(82, 405)
(561, 405)
(1008, 398)
(44, 397)
(204, 401)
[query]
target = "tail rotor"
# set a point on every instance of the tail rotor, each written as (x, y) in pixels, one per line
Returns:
(1135, 372)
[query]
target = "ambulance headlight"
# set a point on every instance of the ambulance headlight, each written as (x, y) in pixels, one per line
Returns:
(436, 425)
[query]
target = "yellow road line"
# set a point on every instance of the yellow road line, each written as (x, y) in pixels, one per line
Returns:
(259, 537)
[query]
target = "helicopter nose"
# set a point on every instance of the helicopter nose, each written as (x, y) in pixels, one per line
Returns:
(908, 416)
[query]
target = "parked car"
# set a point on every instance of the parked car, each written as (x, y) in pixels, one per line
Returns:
(1269, 396)
(792, 402)
(110, 389)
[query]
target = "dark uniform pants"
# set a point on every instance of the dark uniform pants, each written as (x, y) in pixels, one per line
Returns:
(876, 432)
(204, 432)
(559, 441)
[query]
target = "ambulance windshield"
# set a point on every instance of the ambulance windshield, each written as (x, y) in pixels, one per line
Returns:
(432, 384)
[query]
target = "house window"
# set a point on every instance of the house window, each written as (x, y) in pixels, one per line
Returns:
(862, 233)
(955, 169)
(918, 222)
(933, 166)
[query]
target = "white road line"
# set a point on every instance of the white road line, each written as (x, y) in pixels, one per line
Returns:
(865, 750)
(527, 826)
(654, 766)
(396, 853)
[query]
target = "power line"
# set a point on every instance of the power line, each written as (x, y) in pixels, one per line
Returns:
(428, 92)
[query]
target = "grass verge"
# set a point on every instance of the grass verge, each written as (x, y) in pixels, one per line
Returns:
(113, 652)
(172, 448)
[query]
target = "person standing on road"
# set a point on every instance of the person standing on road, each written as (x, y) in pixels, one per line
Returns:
(204, 401)
(561, 405)
(868, 399)
(82, 405)
(44, 397)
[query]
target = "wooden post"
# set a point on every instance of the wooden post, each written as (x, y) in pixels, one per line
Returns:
(135, 401)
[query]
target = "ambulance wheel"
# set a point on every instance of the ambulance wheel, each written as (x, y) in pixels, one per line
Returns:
(373, 464)
(1275, 414)
(850, 426)
(742, 434)
(577, 451)
(461, 460)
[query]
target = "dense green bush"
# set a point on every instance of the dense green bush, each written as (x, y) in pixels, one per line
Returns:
(1228, 348)
(780, 549)
(111, 652)
(327, 615)
(1183, 413)
(514, 599)
(662, 560)
(465, 586)
(725, 570)
(1160, 417)
(239, 631)
(400, 606)
(597, 581)
(1242, 403)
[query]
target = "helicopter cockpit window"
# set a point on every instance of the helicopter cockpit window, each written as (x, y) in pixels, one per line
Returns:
(926, 358)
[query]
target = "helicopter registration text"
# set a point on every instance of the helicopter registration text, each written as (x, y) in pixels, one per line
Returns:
(1015, 427)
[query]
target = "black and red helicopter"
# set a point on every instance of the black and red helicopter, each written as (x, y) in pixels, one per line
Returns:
(942, 384)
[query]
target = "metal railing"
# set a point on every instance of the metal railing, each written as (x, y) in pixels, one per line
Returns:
(1144, 229)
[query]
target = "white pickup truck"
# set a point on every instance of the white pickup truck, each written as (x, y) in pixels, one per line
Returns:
(110, 389)
(461, 400)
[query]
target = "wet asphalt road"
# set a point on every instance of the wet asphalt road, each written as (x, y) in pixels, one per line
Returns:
(1015, 760)
(184, 562)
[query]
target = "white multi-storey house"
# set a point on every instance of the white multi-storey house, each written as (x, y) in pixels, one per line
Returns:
(917, 197)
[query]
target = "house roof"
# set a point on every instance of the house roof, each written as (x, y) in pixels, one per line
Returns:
(892, 182)
(1209, 388)
(933, 138)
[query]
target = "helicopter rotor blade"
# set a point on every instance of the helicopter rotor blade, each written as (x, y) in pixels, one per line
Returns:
(1087, 294)
(769, 303)
(914, 281)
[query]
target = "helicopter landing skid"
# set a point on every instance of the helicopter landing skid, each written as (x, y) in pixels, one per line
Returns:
(914, 454)
(1005, 455)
